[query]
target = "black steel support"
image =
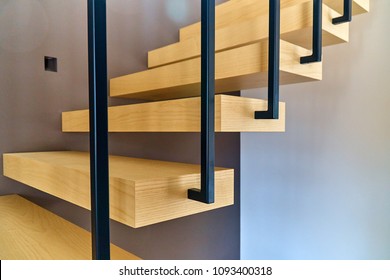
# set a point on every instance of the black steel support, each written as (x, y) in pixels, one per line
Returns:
(317, 34)
(347, 16)
(97, 63)
(273, 63)
(206, 193)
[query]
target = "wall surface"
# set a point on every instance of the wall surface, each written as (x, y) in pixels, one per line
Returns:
(322, 189)
(31, 101)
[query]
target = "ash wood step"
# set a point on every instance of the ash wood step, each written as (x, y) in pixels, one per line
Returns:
(232, 114)
(236, 69)
(241, 10)
(29, 232)
(296, 27)
(142, 192)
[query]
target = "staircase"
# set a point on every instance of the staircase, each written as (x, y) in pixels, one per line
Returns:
(144, 192)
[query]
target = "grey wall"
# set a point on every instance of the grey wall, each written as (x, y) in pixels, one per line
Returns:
(322, 189)
(32, 100)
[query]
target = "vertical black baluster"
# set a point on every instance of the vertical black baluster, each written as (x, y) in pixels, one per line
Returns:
(317, 34)
(347, 16)
(206, 193)
(273, 63)
(97, 60)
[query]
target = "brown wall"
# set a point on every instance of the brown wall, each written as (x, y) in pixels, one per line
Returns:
(32, 100)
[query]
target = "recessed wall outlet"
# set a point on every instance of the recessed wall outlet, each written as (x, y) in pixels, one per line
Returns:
(50, 64)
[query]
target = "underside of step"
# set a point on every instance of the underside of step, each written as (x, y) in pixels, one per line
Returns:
(241, 10)
(232, 114)
(142, 192)
(358, 6)
(296, 27)
(236, 69)
(29, 232)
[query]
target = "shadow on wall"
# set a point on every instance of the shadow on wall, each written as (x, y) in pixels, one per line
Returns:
(322, 189)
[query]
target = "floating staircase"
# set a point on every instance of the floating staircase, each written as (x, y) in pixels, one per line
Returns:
(295, 27)
(145, 192)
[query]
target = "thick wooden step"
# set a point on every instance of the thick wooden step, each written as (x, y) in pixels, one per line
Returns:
(236, 69)
(232, 114)
(296, 27)
(142, 192)
(29, 232)
(240, 10)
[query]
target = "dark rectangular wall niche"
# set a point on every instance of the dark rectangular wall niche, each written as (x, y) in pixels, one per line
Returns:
(50, 64)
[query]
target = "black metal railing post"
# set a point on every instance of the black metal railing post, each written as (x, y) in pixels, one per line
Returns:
(317, 34)
(206, 193)
(98, 82)
(273, 63)
(347, 14)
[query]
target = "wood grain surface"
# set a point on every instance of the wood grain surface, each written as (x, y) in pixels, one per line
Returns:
(30, 232)
(142, 192)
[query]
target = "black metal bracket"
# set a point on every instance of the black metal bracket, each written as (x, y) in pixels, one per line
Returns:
(317, 34)
(273, 63)
(98, 119)
(347, 16)
(206, 193)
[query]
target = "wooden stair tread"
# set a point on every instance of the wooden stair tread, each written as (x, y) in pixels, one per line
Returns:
(239, 10)
(236, 69)
(29, 232)
(142, 192)
(296, 28)
(232, 114)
